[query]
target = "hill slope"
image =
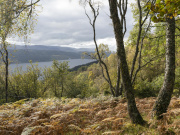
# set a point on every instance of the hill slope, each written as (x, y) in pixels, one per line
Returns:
(56, 48)
(103, 115)
(23, 56)
(41, 53)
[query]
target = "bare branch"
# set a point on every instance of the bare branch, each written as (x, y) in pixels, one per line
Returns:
(138, 39)
(140, 67)
(101, 62)
(88, 17)
(177, 28)
(140, 54)
(120, 9)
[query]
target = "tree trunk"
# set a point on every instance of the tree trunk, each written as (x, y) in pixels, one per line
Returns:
(117, 91)
(7, 74)
(118, 31)
(166, 91)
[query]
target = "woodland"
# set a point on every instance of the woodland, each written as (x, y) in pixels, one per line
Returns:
(134, 90)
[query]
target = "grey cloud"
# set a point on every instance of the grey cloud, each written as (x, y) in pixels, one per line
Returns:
(62, 26)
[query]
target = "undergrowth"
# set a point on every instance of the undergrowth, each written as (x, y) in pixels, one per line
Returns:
(103, 115)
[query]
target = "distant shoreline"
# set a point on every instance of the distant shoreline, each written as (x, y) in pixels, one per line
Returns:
(73, 64)
(79, 66)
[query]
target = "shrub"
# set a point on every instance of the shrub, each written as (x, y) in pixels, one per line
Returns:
(145, 89)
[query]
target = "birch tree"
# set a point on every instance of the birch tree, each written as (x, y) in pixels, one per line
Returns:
(16, 19)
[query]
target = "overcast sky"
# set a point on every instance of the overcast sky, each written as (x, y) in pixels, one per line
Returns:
(64, 23)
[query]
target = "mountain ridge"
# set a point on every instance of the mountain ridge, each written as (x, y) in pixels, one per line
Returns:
(38, 53)
(44, 47)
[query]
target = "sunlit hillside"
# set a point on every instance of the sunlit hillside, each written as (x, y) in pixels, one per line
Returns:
(103, 115)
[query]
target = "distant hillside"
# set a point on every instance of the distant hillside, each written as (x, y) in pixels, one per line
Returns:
(57, 48)
(40, 53)
(23, 56)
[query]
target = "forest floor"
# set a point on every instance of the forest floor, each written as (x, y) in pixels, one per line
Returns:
(93, 116)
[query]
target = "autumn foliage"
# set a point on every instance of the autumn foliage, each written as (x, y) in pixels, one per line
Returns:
(103, 115)
(163, 9)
